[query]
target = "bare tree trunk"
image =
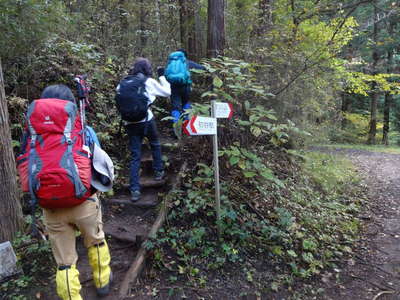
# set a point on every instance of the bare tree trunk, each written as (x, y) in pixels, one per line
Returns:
(216, 28)
(10, 206)
(387, 104)
(388, 96)
(373, 121)
(345, 108)
(265, 16)
(375, 94)
(157, 17)
(188, 26)
(124, 27)
(192, 38)
(386, 118)
(200, 35)
(142, 27)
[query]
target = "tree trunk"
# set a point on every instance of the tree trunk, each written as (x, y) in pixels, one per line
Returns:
(388, 96)
(216, 28)
(124, 27)
(200, 33)
(375, 94)
(386, 118)
(373, 108)
(142, 27)
(387, 104)
(265, 15)
(188, 26)
(345, 108)
(10, 206)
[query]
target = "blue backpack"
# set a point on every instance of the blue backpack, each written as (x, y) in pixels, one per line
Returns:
(177, 70)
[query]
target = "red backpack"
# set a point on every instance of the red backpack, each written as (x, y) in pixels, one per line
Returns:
(55, 166)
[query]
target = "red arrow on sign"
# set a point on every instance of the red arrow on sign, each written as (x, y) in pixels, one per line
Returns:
(223, 110)
(191, 124)
(200, 126)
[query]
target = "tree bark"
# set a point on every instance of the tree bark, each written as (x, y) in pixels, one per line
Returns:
(387, 104)
(265, 16)
(216, 28)
(10, 206)
(345, 108)
(124, 27)
(142, 26)
(375, 94)
(388, 95)
(188, 26)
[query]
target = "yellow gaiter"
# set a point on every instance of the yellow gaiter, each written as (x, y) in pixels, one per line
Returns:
(68, 285)
(99, 259)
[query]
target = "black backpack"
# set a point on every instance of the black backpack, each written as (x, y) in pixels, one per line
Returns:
(130, 99)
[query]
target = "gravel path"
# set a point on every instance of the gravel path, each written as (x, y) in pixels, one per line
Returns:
(374, 271)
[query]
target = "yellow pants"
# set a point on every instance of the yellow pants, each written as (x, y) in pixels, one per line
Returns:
(62, 223)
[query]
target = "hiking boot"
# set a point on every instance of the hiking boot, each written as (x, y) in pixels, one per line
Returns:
(99, 260)
(105, 290)
(173, 134)
(159, 175)
(135, 196)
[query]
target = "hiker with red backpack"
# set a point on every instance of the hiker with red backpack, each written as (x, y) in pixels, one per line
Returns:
(134, 96)
(55, 167)
(177, 72)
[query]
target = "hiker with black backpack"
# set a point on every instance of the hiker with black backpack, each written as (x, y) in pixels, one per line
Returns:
(55, 167)
(134, 96)
(177, 72)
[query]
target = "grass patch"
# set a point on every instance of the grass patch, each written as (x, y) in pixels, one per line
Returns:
(372, 148)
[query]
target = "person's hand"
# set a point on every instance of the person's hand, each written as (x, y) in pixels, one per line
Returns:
(160, 71)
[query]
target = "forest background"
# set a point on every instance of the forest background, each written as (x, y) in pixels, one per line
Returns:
(298, 73)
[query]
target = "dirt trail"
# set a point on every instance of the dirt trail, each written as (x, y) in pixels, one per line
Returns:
(374, 271)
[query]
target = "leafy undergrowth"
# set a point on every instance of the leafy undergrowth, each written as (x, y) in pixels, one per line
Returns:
(36, 262)
(281, 225)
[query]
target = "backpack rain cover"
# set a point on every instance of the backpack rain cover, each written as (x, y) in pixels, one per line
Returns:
(177, 71)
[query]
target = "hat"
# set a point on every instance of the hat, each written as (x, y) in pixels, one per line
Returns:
(103, 170)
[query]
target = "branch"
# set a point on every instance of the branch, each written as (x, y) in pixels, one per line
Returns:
(306, 67)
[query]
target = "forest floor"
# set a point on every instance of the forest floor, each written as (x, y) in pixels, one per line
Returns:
(374, 270)
(371, 272)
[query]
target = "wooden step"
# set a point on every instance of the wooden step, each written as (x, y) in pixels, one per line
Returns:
(146, 157)
(149, 182)
(128, 231)
(145, 201)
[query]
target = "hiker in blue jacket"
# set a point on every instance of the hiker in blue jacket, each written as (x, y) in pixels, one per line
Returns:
(181, 88)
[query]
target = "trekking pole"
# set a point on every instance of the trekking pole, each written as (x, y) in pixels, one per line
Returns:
(83, 96)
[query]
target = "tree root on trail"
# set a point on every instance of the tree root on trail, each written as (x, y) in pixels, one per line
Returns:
(375, 267)
(383, 287)
(121, 238)
(382, 293)
(195, 290)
